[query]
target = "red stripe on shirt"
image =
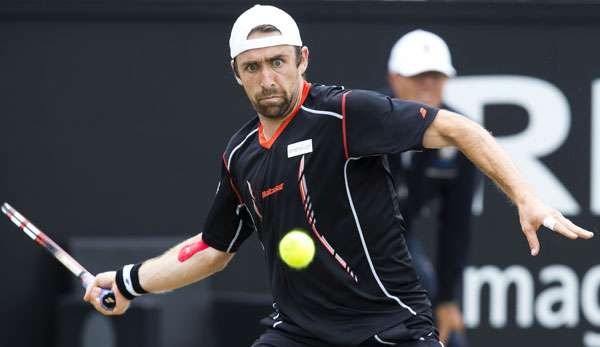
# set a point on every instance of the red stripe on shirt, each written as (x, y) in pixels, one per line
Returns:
(346, 155)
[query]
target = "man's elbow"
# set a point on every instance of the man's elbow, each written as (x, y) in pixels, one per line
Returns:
(218, 259)
(456, 128)
(222, 264)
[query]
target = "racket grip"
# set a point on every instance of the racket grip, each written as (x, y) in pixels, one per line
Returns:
(106, 297)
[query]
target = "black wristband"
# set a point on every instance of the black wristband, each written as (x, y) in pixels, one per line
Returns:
(135, 279)
(121, 285)
(128, 281)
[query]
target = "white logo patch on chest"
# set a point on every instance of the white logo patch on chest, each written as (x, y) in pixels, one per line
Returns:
(299, 148)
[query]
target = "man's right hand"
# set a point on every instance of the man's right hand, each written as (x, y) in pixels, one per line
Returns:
(92, 294)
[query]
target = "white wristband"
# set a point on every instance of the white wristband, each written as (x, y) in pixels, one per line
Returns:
(127, 280)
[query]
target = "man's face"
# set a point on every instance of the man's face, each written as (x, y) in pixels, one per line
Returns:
(426, 87)
(271, 77)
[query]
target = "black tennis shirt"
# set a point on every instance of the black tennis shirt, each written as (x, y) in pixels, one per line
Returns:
(325, 171)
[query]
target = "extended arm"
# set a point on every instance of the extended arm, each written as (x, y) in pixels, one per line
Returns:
(167, 272)
(451, 129)
(163, 273)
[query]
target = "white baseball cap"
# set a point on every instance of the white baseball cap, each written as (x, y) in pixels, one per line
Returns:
(263, 15)
(420, 51)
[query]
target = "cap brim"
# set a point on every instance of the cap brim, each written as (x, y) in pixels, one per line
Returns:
(419, 69)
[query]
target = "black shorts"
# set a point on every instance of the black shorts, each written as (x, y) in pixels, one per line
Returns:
(395, 336)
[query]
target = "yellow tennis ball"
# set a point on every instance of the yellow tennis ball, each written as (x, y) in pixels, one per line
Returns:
(297, 249)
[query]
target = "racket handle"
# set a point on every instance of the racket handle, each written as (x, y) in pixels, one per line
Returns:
(106, 297)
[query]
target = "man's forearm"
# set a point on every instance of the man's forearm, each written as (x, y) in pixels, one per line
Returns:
(485, 152)
(168, 272)
(493, 160)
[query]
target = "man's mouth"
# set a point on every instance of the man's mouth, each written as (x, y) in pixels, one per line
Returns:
(270, 98)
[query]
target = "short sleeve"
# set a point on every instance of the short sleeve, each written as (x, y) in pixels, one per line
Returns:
(228, 223)
(375, 124)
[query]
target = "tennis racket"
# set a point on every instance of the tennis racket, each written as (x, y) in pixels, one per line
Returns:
(107, 297)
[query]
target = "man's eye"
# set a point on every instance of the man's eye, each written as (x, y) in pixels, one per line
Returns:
(277, 62)
(251, 67)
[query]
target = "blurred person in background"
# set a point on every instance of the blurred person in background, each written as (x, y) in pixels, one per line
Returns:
(418, 68)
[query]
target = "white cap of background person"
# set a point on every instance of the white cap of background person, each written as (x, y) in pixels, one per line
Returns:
(263, 15)
(420, 51)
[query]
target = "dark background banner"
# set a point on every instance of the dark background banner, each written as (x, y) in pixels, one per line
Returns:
(114, 116)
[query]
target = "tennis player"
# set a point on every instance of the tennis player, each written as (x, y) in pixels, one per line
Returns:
(314, 158)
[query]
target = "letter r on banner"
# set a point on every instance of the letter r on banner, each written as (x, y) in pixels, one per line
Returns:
(548, 128)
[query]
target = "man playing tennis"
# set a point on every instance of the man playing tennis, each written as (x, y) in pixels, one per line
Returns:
(315, 158)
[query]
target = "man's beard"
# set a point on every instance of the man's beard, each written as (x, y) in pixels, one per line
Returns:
(273, 109)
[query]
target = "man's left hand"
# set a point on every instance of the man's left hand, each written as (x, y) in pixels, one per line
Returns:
(533, 214)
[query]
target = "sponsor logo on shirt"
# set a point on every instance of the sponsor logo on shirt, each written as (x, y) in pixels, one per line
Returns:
(272, 191)
(423, 112)
(299, 148)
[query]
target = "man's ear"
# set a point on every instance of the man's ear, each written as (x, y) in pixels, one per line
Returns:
(237, 78)
(304, 63)
(396, 84)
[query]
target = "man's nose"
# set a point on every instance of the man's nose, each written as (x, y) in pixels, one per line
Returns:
(267, 78)
(428, 80)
